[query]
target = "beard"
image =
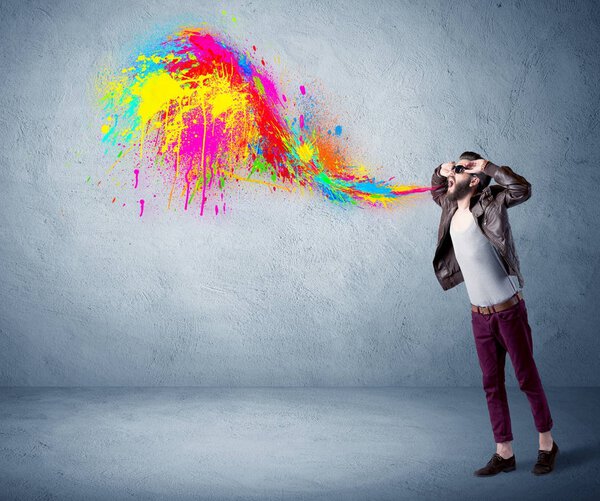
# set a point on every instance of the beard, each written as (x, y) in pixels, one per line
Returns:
(461, 190)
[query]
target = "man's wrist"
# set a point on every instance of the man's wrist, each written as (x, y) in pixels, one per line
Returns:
(490, 168)
(438, 173)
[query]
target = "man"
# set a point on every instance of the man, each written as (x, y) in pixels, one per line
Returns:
(475, 245)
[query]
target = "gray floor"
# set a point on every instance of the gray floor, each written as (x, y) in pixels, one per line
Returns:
(283, 443)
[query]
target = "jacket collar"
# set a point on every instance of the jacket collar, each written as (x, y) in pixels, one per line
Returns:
(476, 206)
(481, 201)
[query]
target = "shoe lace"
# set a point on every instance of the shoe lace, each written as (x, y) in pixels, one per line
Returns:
(543, 456)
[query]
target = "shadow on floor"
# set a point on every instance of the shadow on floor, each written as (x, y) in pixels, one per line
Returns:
(578, 456)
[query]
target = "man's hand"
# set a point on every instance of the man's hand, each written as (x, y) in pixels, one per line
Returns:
(446, 169)
(474, 166)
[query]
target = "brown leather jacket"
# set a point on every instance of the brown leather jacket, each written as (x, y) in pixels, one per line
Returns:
(490, 211)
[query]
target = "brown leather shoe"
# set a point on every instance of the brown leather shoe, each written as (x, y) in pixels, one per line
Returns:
(496, 465)
(545, 461)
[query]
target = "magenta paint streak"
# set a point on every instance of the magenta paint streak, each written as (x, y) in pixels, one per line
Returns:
(216, 210)
(141, 206)
(284, 98)
(302, 90)
(302, 121)
(137, 174)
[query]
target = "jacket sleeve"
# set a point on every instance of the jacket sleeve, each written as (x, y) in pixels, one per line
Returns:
(439, 184)
(517, 188)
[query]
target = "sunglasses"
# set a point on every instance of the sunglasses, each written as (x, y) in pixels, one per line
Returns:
(458, 169)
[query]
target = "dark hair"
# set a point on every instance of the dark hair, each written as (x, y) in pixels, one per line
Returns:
(484, 179)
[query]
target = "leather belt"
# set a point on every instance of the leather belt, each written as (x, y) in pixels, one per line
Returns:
(495, 308)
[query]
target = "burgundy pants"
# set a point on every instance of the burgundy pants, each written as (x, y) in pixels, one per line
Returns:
(495, 335)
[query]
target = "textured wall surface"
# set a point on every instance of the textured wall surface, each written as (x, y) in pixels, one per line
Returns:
(291, 289)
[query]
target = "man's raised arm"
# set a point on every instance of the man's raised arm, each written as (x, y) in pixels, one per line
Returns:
(517, 187)
(439, 182)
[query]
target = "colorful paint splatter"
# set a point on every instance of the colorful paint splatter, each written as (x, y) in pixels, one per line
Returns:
(198, 114)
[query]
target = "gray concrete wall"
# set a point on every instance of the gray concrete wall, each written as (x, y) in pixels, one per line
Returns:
(291, 289)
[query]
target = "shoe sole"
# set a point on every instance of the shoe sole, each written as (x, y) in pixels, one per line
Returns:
(505, 470)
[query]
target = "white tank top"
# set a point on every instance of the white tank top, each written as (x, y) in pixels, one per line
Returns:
(486, 279)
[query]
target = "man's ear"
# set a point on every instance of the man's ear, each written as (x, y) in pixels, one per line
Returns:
(476, 179)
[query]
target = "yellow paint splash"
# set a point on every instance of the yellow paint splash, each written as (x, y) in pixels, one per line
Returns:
(222, 103)
(155, 92)
(305, 152)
